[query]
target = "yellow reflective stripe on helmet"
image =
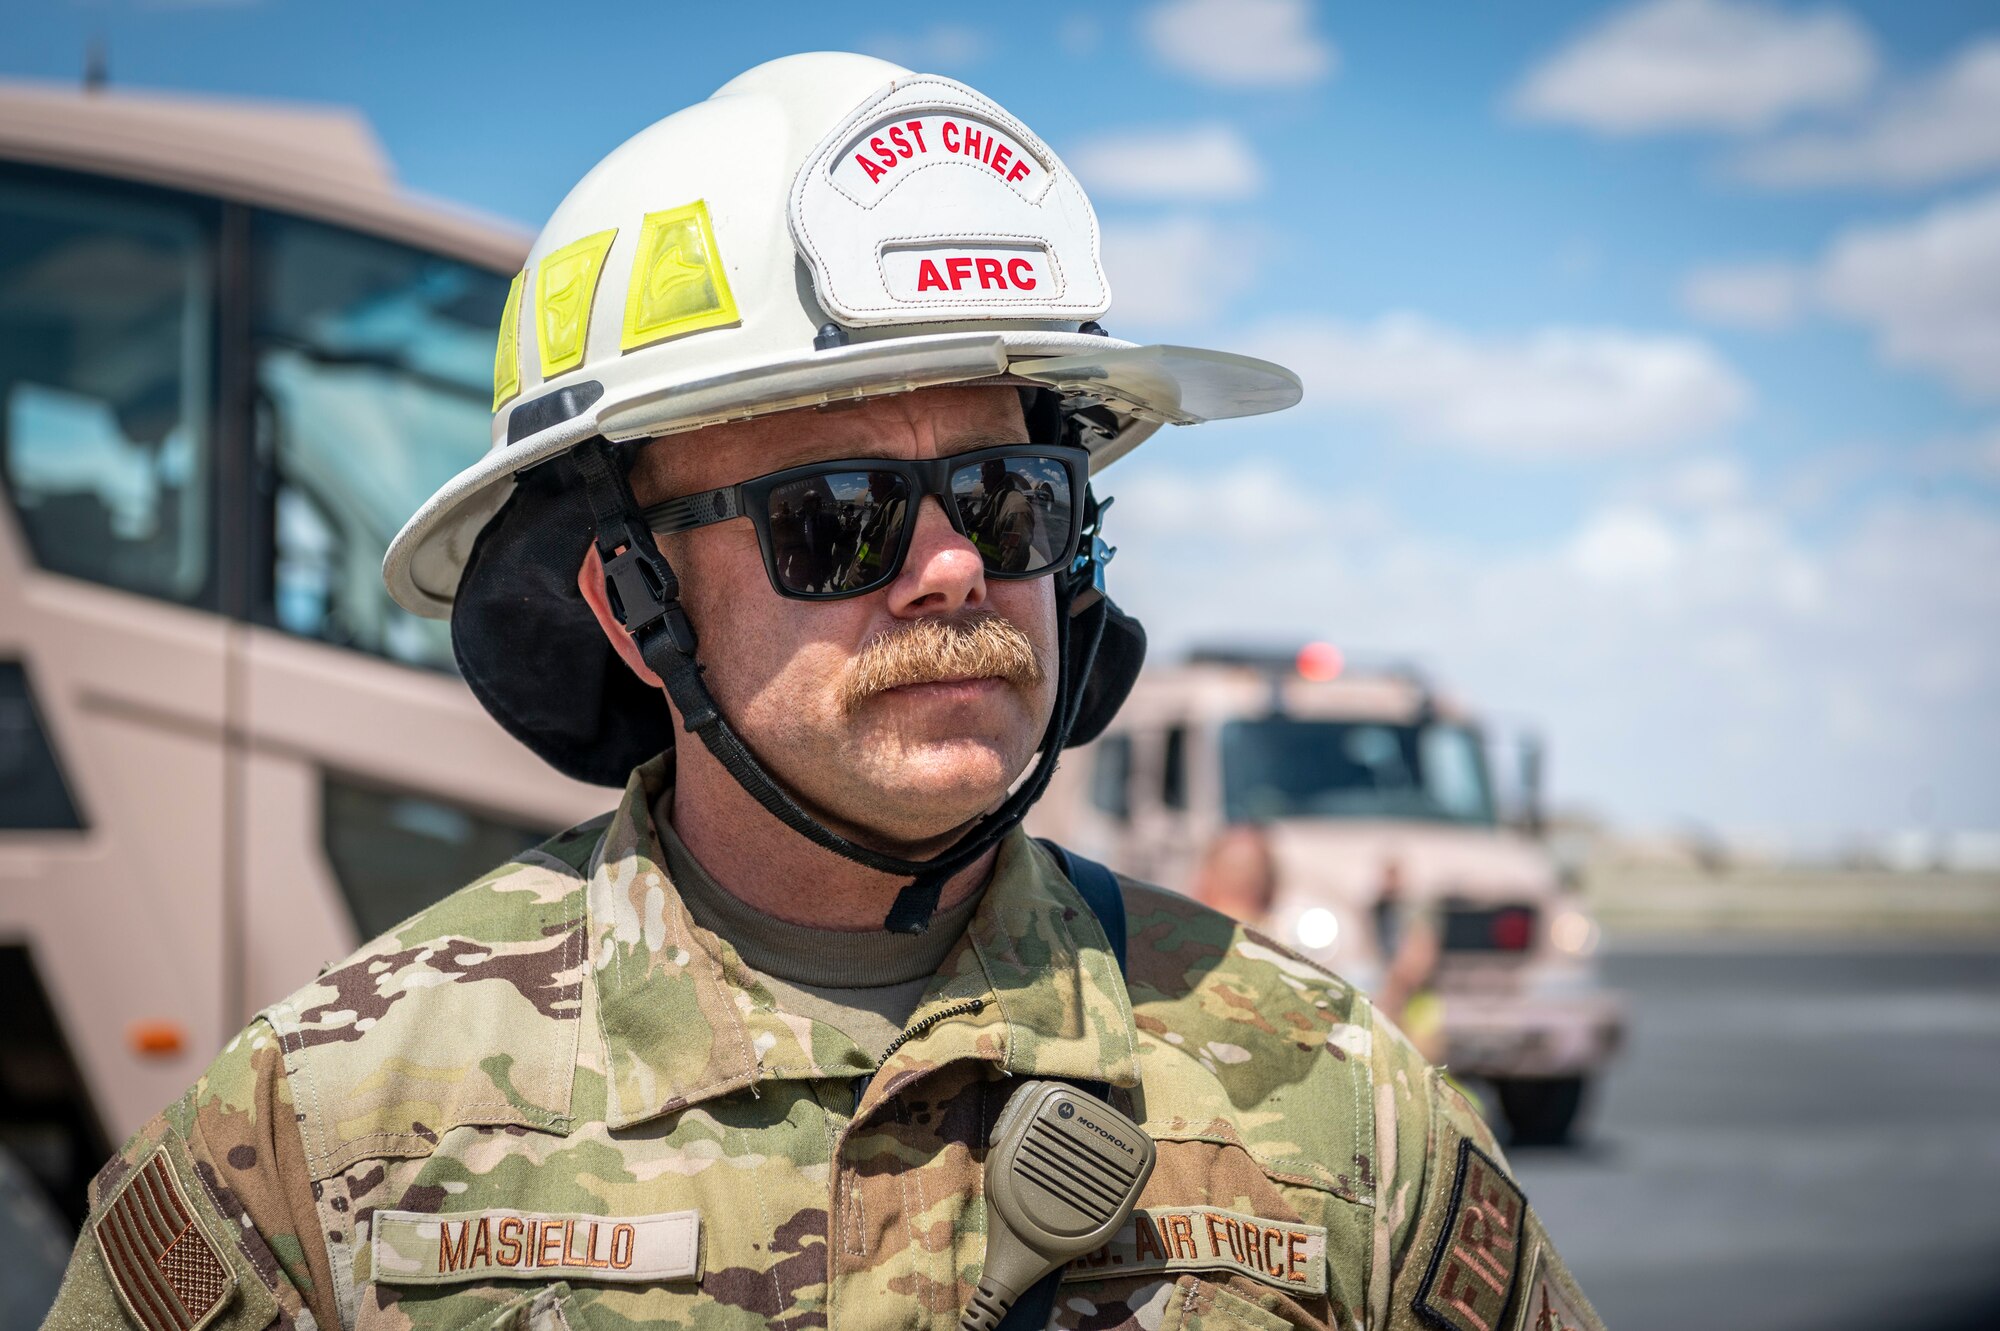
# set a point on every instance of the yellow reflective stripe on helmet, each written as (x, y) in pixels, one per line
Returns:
(564, 286)
(677, 281)
(507, 350)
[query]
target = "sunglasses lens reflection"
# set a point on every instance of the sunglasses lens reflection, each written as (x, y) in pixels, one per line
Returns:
(838, 532)
(1016, 510)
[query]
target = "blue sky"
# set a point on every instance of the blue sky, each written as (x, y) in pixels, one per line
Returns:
(1652, 350)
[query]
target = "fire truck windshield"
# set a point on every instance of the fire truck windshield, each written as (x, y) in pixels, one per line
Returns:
(1300, 767)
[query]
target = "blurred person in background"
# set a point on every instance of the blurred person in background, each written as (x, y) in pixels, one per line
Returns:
(1406, 934)
(814, 946)
(1238, 875)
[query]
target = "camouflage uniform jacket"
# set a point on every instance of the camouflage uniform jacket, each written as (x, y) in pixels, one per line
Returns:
(460, 1126)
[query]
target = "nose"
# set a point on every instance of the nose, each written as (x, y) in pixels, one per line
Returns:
(943, 573)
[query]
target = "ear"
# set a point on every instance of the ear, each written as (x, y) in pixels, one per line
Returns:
(590, 581)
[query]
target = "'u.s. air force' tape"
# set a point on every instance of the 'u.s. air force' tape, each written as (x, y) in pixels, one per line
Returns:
(1284, 1253)
(413, 1248)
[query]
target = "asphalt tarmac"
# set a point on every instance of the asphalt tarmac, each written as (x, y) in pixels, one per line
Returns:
(1806, 1138)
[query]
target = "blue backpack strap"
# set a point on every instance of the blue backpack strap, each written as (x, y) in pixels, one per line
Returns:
(1099, 888)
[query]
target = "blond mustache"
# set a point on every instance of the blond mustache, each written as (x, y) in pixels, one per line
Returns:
(930, 651)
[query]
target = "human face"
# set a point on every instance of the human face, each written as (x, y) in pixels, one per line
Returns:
(907, 765)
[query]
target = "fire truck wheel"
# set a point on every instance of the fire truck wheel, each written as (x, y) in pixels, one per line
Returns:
(1540, 1111)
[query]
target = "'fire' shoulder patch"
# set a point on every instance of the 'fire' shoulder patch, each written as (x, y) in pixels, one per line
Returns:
(165, 1267)
(1474, 1266)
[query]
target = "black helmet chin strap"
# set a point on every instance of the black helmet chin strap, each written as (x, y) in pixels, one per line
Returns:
(645, 595)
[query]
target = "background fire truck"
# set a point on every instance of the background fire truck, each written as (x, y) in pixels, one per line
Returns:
(1361, 780)
(233, 357)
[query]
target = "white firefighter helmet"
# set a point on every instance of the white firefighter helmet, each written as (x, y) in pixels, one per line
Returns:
(825, 226)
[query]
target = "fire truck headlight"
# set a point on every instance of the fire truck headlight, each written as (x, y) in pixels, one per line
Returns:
(1574, 932)
(1317, 928)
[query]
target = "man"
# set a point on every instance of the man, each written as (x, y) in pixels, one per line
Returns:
(1406, 937)
(732, 1055)
(1238, 874)
(1002, 513)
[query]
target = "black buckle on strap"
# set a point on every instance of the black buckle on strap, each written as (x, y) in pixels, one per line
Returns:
(643, 590)
(633, 586)
(640, 599)
(639, 583)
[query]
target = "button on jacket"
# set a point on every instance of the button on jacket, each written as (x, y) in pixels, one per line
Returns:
(551, 1100)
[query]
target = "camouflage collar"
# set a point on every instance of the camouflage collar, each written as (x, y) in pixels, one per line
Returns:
(1032, 986)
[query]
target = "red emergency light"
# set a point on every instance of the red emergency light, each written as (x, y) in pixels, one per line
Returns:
(1320, 662)
(1513, 929)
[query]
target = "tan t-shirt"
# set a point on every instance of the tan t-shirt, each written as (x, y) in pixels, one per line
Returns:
(863, 983)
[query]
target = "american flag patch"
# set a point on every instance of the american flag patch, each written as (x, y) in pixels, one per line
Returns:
(166, 1269)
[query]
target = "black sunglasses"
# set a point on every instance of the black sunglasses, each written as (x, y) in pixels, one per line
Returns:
(835, 529)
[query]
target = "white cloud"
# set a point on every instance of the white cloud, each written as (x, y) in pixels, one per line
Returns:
(1746, 295)
(1253, 502)
(1973, 456)
(1191, 163)
(1701, 484)
(1240, 43)
(1929, 288)
(1854, 472)
(1175, 270)
(1624, 544)
(1943, 128)
(1706, 663)
(942, 46)
(1557, 392)
(1700, 65)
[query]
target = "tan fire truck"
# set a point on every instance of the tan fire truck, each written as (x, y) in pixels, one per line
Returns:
(234, 356)
(1360, 780)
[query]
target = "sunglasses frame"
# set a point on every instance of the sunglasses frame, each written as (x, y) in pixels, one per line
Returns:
(925, 477)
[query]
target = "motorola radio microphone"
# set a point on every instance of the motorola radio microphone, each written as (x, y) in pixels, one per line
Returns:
(1062, 1174)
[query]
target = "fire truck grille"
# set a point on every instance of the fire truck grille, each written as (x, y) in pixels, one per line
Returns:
(1504, 928)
